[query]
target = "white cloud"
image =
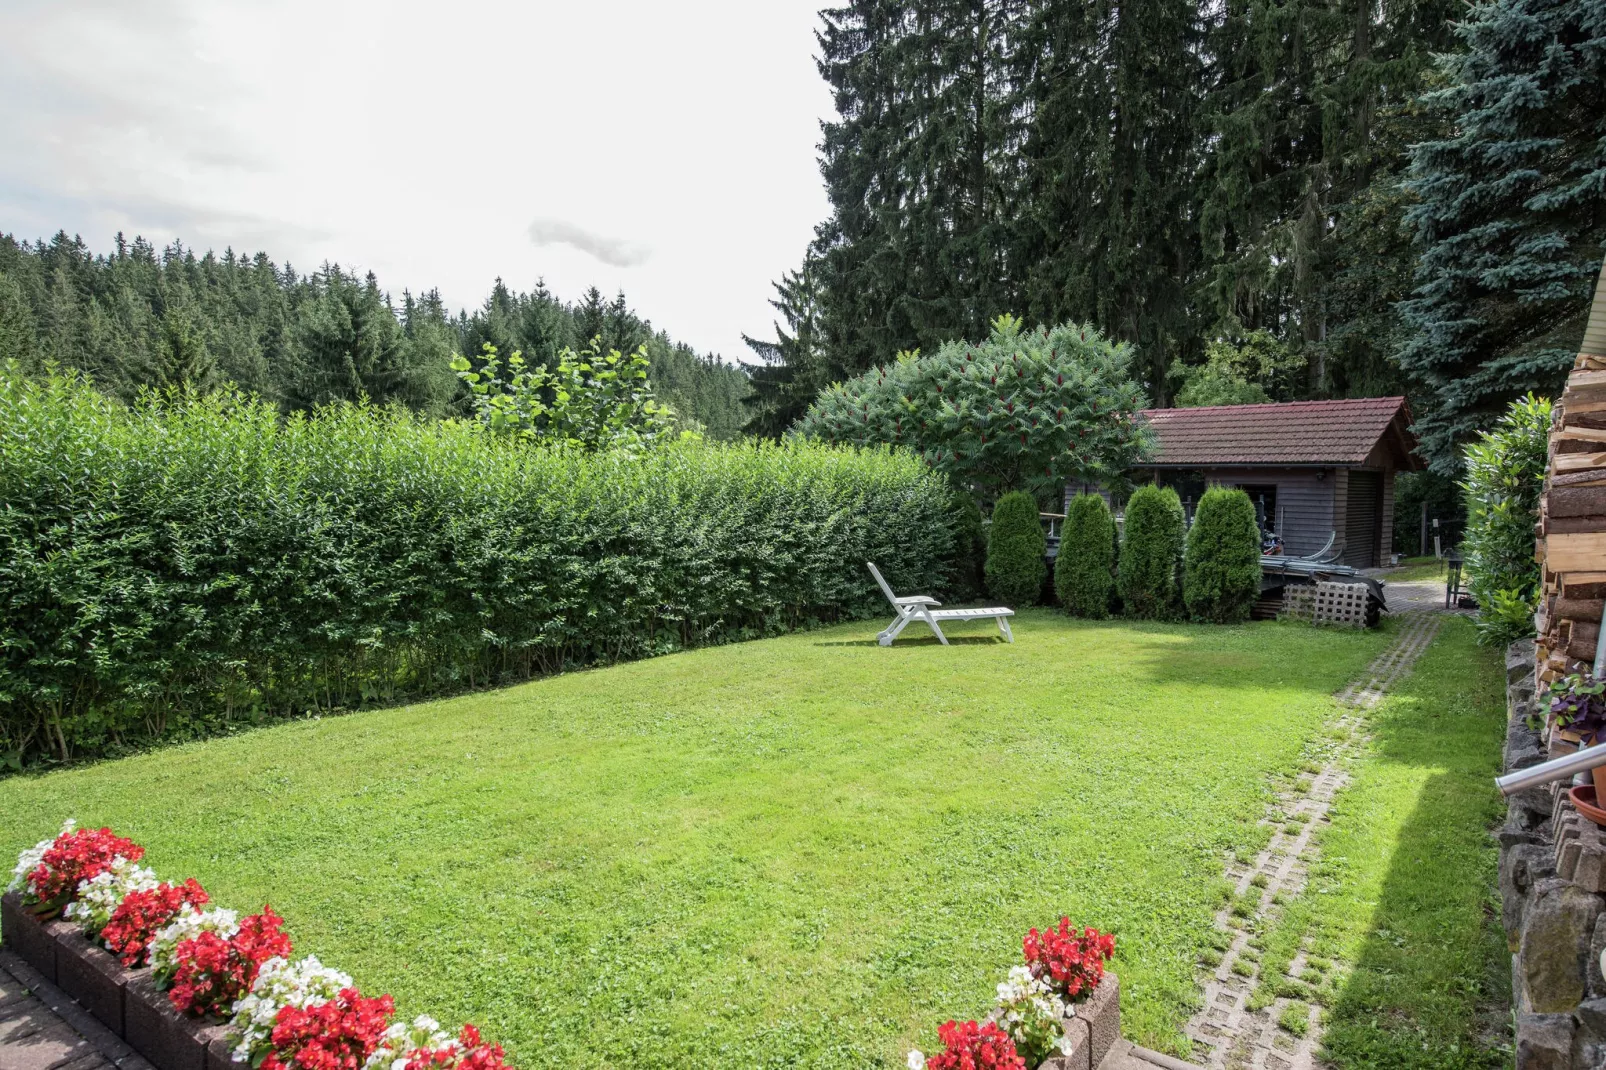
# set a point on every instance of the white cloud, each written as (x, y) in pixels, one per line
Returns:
(419, 141)
(611, 251)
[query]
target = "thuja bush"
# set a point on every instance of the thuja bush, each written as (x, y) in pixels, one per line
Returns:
(1016, 547)
(970, 547)
(1221, 566)
(169, 569)
(1084, 569)
(1151, 554)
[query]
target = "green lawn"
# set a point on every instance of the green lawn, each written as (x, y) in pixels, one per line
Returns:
(806, 851)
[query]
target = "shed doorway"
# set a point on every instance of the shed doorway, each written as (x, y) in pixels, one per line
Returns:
(1363, 518)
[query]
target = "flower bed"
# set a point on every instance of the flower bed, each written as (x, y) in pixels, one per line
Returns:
(1060, 1010)
(195, 987)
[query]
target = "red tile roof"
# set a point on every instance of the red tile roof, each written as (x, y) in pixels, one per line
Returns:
(1294, 432)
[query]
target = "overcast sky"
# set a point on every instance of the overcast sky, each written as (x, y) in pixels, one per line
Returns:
(666, 148)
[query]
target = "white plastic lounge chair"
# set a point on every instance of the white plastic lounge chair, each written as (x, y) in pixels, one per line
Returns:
(923, 608)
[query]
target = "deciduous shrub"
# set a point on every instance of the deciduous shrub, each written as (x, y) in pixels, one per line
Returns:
(170, 569)
(1023, 410)
(1151, 554)
(1084, 569)
(1505, 471)
(1016, 547)
(1221, 567)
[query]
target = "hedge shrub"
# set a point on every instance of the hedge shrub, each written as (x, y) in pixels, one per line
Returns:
(1016, 546)
(1151, 554)
(168, 569)
(1505, 472)
(1084, 570)
(1221, 567)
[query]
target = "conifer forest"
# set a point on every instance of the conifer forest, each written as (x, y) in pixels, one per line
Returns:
(1269, 199)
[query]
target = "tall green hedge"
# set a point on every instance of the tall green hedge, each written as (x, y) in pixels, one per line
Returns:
(1151, 554)
(1084, 569)
(1221, 568)
(169, 569)
(1016, 547)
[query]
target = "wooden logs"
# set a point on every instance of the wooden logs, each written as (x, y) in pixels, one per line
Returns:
(1571, 531)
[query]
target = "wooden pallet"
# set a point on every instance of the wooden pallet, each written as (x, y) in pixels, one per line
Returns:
(1343, 604)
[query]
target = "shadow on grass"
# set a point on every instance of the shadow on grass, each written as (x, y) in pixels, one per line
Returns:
(927, 640)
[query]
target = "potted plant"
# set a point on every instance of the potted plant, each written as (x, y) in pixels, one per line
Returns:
(1578, 704)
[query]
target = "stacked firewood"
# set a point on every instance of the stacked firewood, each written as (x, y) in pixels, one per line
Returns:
(1572, 513)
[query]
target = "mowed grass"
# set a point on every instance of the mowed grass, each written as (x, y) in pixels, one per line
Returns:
(807, 851)
(1405, 895)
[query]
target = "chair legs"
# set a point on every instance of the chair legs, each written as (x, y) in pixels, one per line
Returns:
(886, 635)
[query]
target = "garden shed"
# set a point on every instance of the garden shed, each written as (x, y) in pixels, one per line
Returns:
(1315, 469)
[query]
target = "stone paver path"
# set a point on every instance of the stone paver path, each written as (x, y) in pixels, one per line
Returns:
(41, 1029)
(1227, 1034)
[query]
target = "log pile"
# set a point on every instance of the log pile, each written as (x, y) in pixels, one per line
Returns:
(1572, 512)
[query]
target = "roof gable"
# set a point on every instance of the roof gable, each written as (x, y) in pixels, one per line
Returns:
(1343, 432)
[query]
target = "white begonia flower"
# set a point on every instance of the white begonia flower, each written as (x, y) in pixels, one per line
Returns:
(100, 896)
(29, 860)
(189, 924)
(403, 1038)
(917, 1060)
(279, 984)
(1030, 1011)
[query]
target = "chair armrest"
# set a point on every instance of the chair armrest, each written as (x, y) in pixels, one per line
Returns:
(918, 600)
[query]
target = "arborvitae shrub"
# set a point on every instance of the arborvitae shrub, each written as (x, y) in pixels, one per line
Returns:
(1084, 570)
(1221, 571)
(970, 547)
(1151, 554)
(1015, 548)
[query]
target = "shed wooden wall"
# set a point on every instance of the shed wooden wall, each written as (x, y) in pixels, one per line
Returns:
(1310, 508)
(1304, 502)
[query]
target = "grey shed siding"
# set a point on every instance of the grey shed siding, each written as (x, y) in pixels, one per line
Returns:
(1304, 502)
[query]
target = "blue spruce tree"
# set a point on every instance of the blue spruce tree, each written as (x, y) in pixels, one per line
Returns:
(1511, 217)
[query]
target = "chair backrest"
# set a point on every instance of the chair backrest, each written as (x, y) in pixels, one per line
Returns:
(883, 584)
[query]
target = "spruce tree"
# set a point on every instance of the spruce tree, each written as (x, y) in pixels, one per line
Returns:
(16, 324)
(1510, 222)
(795, 367)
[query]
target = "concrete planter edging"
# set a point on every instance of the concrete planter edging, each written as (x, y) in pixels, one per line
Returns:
(1093, 1027)
(125, 1001)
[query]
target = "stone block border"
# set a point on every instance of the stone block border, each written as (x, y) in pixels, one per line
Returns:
(125, 1001)
(1094, 1029)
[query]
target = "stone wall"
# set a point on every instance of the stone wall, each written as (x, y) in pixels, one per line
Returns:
(1553, 899)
